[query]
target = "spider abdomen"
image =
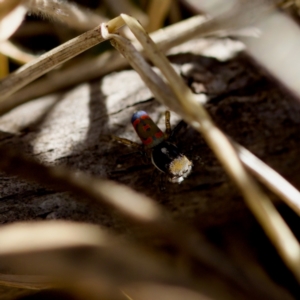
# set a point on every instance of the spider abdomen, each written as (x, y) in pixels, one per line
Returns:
(146, 129)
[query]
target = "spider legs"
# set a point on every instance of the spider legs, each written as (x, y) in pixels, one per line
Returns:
(127, 142)
(168, 124)
(172, 133)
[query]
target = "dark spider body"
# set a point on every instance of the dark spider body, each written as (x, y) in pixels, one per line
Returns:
(165, 156)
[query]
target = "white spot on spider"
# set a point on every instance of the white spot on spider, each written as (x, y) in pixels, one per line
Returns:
(176, 179)
(165, 151)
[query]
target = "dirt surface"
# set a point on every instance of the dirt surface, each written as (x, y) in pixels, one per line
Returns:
(69, 128)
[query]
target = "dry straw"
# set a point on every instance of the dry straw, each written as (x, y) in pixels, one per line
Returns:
(183, 102)
(139, 209)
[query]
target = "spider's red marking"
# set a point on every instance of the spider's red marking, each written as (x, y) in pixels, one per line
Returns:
(146, 129)
(147, 126)
(148, 141)
(159, 134)
(135, 122)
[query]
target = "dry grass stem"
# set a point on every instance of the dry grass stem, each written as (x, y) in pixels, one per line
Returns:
(274, 181)
(11, 22)
(157, 86)
(165, 38)
(179, 33)
(261, 206)
(151, 248)
(48, 61)
(7, 6)
(68, 13)
(24, 246)
(25, 281)
(175, 12)
(10, 50)
(4, 70)
(115, 24)
(157, 12)
(136, 208)
(105, 63)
